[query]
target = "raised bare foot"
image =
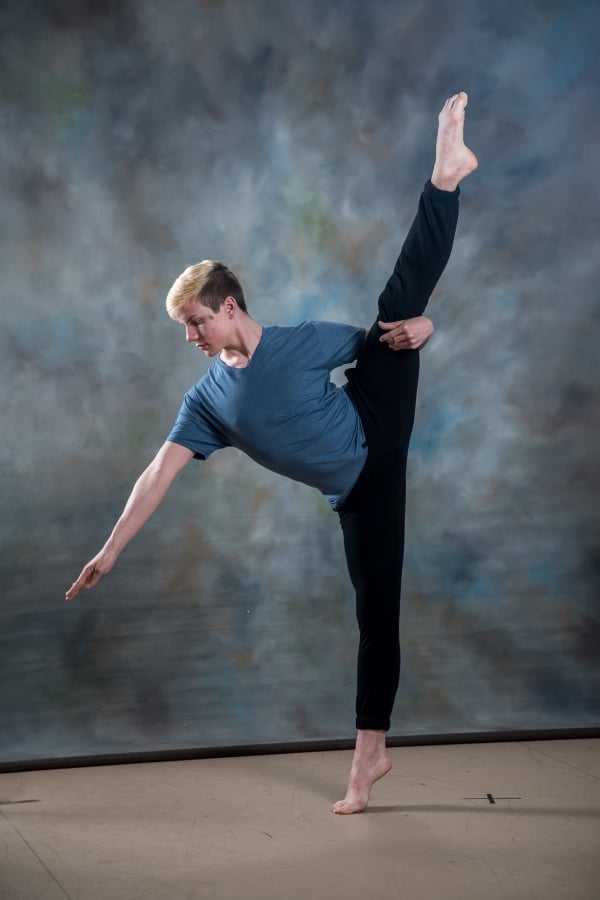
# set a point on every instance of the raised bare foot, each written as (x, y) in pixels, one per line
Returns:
(453, 160)
(370, 763)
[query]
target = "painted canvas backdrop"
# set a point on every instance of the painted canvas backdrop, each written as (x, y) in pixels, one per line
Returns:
(291, 141)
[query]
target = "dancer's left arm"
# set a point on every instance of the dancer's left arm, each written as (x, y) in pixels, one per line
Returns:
(407, 334)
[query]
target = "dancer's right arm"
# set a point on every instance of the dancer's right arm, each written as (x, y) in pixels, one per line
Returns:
(147, 494)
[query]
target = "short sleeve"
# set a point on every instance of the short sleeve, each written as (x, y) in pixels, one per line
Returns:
(341, 344)
(193, 430)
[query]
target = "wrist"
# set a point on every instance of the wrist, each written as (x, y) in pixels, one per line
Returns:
(111, 549)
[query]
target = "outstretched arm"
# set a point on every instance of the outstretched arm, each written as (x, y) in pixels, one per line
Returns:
(147, 494)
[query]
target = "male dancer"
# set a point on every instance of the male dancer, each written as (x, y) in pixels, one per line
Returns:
(268, 393)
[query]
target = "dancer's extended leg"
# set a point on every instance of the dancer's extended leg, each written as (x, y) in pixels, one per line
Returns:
(453, 160)
(378, 613)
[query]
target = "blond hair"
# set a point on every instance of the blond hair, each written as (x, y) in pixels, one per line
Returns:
(209, 282)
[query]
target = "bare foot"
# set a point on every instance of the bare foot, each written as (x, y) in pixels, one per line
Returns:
(370, 763)
(453, 160)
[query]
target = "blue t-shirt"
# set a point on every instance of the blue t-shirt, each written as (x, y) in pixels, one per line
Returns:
(282, 409)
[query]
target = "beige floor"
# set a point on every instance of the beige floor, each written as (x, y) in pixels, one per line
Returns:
(258, 828)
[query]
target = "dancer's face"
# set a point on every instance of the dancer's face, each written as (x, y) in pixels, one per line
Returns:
(210, 331)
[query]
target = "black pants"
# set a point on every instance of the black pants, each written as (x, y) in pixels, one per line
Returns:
(383, 387)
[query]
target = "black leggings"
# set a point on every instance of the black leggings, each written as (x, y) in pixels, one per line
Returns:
(383, 387)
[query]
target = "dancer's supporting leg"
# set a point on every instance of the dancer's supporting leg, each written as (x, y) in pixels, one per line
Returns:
(384, 389)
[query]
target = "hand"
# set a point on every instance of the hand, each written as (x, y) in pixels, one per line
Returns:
(91, 573)
(407, 334)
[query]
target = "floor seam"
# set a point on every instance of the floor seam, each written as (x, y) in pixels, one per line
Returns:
(39, 859)
(563, 762)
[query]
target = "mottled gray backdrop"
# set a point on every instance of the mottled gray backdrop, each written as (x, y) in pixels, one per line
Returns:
(291, 141)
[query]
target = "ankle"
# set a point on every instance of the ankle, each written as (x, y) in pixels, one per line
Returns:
(369, 740)
(442, 182)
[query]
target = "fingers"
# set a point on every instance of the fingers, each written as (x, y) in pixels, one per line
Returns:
(75, 588)
(407, 334)
(397, 335)
(394, 330)
(387, 326)
(89, 577)
(405, 342)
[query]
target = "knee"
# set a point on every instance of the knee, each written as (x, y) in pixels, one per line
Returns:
(378, 611)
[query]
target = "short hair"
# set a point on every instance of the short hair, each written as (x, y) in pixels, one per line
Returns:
(209, 282)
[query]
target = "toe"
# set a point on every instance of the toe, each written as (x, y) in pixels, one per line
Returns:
(460, 102)
(348, 807)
